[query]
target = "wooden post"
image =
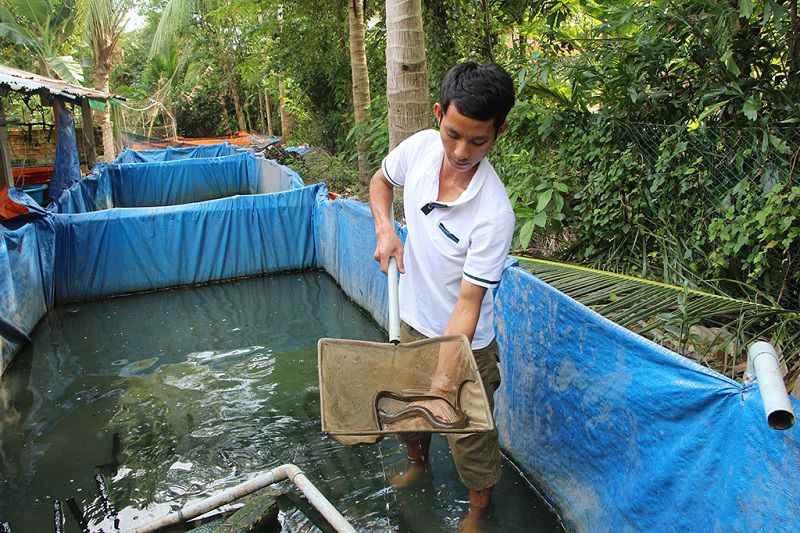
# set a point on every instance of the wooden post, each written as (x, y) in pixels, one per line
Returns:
(5, 154)
(88, 133)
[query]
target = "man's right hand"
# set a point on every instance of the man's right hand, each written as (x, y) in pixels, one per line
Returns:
(389, 246)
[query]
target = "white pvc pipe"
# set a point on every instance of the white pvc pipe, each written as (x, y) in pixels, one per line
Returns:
(763, 364)
(394, 290)
(394, 302)
(287, 471)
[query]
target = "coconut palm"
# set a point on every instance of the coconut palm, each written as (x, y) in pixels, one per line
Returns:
(360, 73)
(104, 22)
(406, 70)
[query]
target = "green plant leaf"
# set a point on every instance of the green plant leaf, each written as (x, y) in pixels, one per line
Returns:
(67, 69)
(525, 233)
(544, 200)
(751, 107)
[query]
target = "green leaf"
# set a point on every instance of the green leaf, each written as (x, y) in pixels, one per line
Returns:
(544, 200)
(525, 233)
(730, 64)
(751, 107)
(34, 10)
(745, 8)
(66, 68)
(713, 107)
(540, 219)
(633, 94)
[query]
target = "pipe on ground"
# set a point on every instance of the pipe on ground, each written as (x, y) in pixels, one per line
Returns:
(763, 364)
(287, 471)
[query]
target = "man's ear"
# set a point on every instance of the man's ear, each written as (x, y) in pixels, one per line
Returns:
(437, 109)
(503, 127)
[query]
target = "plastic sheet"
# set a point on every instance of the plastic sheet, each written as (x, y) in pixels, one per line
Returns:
(346, 240)
(173, 154)
(126, 250)
(175, 182)
(67, 165)
(26, 269)
(622, 434)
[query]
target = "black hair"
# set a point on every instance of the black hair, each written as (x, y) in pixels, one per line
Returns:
(480, 92)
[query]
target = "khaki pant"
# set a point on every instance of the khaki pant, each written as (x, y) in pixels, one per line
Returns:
(477, 455)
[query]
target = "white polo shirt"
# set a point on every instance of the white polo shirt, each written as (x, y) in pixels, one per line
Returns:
(468, 238)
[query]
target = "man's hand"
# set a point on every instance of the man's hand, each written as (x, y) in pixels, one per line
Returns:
(389, 246)
(380, 201)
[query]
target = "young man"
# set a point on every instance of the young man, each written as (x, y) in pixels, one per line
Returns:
(460, 224)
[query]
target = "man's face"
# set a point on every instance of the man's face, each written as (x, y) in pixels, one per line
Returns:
(466, 140)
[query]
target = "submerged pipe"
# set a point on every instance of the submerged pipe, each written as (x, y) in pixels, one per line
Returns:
(287, 471)
(763, 365)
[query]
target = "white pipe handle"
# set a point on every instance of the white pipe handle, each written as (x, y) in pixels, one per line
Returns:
(394, 301)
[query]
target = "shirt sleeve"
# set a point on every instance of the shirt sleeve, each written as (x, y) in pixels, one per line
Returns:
(395, 165)
(488, 249)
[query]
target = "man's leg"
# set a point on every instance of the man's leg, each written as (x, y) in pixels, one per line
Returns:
(477, 455)
(417, 445)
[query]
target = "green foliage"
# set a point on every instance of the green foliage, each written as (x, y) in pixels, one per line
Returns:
(43, 29)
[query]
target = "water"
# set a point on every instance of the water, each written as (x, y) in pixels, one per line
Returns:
(205, 387)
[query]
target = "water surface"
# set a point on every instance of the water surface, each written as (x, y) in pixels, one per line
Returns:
(204, 387)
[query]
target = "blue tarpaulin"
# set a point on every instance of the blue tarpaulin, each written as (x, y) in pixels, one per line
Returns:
(173, 154)
(26, 274)
(618, 432)
(67, 165)
(126, 250)
(174, 183)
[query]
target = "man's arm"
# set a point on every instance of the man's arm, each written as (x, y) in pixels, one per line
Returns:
(463, 320)
(380, 200)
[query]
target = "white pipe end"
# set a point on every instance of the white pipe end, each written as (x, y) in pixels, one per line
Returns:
(763, 363)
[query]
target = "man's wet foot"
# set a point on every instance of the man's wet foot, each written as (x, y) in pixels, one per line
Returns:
(416, 473)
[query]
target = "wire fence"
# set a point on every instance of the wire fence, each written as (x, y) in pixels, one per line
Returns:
(727, 199)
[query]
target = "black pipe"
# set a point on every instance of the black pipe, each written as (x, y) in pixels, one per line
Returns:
(75, 509)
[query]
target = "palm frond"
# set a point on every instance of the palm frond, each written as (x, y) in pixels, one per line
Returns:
(651, 308)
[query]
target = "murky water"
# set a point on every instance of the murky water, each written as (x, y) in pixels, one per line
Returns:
(203, 388)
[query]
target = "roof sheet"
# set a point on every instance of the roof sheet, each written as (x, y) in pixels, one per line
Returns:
(27, 82)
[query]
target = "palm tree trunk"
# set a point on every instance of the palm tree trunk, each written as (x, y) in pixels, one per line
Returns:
(287, 121)
(406, 70)
(102, 72)
(261, 125)
(268, 105)
(237, 106)
(360, 73)
(225, 116)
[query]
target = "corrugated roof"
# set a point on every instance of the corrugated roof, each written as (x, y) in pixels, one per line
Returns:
(27, 82)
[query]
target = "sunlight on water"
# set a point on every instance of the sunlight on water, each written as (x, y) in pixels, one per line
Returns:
(205, 387)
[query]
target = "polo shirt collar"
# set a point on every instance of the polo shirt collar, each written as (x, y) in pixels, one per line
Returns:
(428, 202)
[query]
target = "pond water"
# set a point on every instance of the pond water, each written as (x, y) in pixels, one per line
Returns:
(170, 396)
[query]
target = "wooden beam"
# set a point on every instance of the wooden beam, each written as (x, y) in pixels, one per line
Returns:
(6, 176)
(88, 133)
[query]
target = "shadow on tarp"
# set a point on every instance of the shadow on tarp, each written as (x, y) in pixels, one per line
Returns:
(617, 432)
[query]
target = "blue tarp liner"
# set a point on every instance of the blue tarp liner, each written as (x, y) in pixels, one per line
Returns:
(623, 434)
(174, 183)
(618, 432)
(26, 281)
(67, 165)
(127, 250)
(172, 154)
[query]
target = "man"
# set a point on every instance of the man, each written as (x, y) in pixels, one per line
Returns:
(460, 224)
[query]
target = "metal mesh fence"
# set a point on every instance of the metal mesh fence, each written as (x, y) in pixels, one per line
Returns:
(732, 194)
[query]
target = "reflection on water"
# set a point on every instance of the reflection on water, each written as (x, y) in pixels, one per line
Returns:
(204, 387)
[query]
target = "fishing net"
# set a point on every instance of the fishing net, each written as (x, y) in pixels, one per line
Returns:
(371, 389)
